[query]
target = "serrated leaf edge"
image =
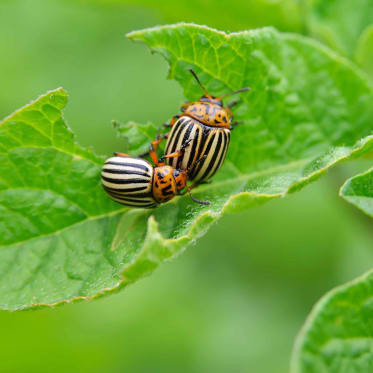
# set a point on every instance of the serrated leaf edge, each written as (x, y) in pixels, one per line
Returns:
(133, 35)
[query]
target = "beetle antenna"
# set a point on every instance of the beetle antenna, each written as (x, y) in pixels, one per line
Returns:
(198, 81)
(235, 92)
(206, 203)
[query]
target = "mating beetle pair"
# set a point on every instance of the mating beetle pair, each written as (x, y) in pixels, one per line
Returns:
(195, 150)
(135, 182)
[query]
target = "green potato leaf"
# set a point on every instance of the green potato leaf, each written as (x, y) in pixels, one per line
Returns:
(339, 23)
(358, 190)
(337, 336)
(62, 239)
(137, 137)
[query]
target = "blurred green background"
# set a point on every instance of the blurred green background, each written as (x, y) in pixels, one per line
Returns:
(235, 301)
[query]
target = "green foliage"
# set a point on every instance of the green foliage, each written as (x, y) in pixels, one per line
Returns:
(339, 23)
(136, 136)
(63, 239)
(337, 336)
(228, 15)
(52, 228)
(359, 191)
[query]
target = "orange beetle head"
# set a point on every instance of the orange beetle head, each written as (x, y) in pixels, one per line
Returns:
(180, 178)
(164, 186)
(167, 181)
(211, 99)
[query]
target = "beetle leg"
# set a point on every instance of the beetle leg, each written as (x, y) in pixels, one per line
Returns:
(205, 182)
(117, 154)
(153, 148)
(234, 103)
(234, 124)
(172, 155)
(179, 153)
(189, 190)
(172, 121)
(206, 203)
(154, 157)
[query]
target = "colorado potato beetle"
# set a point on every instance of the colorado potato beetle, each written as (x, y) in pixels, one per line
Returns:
(134, 182)
(206, 123)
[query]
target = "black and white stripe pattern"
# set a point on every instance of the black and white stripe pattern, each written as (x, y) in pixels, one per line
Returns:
(182, 131)
(210, 141)
(215, 148)
(129, 181)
